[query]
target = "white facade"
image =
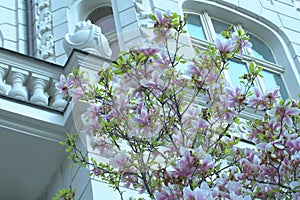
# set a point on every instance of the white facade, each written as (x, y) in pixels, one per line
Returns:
(34, 117)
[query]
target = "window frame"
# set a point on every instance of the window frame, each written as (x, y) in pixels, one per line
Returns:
(210, 33)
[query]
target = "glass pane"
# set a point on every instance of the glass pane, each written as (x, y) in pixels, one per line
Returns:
(195, 27)
(219, 26)
(235, 70)
(272, 80)
(260, 50)
(107, 24)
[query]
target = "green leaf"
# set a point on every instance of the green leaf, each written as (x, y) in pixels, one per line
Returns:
(153, 17)
(236, 120)
(69, 149)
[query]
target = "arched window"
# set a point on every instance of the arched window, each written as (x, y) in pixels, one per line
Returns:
(204, 27)
(260, 49)
(195, 26)
(103, 17)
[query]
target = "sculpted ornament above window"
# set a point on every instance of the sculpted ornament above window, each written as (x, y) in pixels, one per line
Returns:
(87, 37)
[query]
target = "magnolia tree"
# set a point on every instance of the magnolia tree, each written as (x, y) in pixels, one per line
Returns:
(167, 133)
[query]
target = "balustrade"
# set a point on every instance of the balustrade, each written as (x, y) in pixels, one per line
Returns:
(29, 86)
(4, 88)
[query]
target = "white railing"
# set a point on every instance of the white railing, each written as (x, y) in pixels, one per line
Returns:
(30, 80)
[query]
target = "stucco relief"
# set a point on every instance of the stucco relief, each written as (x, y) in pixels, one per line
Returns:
(144, 9)
(44, 24)
(87, 37)
(240, 130)
(46, 49)
(41, 4)
(44, 30)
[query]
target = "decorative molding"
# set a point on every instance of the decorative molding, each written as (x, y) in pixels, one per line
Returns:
(240, 130)
(44, 24)
(44, 28)
(89, 38)
(46, 49)
(144, 10)
(42, 4)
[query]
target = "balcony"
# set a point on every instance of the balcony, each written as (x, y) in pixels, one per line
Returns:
(33, 118)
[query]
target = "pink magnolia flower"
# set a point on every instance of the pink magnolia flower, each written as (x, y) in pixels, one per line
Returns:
(120, 160)
(284, 112)
(104, 148)
(257, 100)
(293, 145)
(92, 111)
(165, 194)
(61, 86)
(207, 163)
(185, 166)
(147, 51)
(154, 82)
(234, 186)
(224, 44)
(202, 193)
(161, 35)
(91, 126)
(198, 125)
(142, 117)
(162, 19)
(239, 197)
(121, 103)
(161, 27)
(234, 96)
(262, 101)
(226, 112)
(272, 96)
(77, 94)
(240, 43)
(162, 62)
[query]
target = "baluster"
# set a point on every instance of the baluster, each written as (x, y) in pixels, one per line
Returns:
(38, 85)
(4, 88)
(18, 91)
(58, 102)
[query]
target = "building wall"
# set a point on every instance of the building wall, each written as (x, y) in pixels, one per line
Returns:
(282, 16)
(13, 25)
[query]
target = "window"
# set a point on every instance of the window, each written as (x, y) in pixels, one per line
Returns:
(219, 26)
(195, 26)
(204, 29)
(235, 70)
(260, 50)
(103, 17)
